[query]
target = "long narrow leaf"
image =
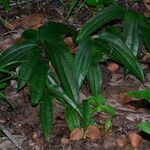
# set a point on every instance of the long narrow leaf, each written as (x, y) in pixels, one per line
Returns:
(16, 52)
(38, 81)
(72, 118)
(63, 62)
(120, 53)
(46, 115)
(145, 32)
(103, 17)
(26, 69)
(83, 59)
(133, 40)
(140, 94)
(59, 94)
(94, 78)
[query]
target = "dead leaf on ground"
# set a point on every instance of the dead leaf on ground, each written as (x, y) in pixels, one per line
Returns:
(76, 134)
(92, 132)
(69, 42)
(32, 21)
(147, 6)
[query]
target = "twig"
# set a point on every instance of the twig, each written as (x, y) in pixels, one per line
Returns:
(10, 136)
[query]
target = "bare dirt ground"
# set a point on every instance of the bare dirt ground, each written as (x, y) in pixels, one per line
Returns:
(23, 123)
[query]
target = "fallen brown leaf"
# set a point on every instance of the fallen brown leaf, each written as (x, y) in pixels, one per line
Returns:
(92, 132)
(147, 6)
(32, 21)
(76, 134)
(69, 42)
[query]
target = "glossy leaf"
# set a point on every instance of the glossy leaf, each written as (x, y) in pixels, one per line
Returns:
(63, 62)
(140, 94)
(26, 69)
(103, 17)
(144, 126)
(96, 101)
(145, 32)
(133, 40)
(30, 34)
(106, 108)
(51, 30)
(72, 118)
(83, 59)
(59, 94)
(46, 114)
(87, 114)
(94, 78)
(16, 52)
(38, 81)
(119, 52)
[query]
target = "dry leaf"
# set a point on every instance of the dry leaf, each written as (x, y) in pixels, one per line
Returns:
(32, 21)
(69, 42)
(92, 132)
(147, 6)
(135, 139)
(64, 141)
(76, 134)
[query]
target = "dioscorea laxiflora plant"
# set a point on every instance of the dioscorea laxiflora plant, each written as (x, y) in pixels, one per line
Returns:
(97, 41)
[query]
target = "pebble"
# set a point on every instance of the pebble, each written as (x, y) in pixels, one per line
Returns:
(135, 139)
(64, 141)
(121, 141)
(92, 132)
(113, 67)
(76, 134)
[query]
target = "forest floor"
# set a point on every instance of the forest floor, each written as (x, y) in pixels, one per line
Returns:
(23, 123)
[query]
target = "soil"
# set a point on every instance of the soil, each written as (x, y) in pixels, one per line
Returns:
(23, 122)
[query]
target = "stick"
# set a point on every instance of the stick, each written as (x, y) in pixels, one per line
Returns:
(10, 136)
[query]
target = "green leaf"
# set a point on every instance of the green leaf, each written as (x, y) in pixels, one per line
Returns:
(133, 40)
(83, 59)
(87, 114)
(96, 101)
(119, 52)
(106, 108)
(51, 30)
(38, 81)
(64, 65)
(73, 4)
(30, 34)
(140, 94)
(94, 78)
(107, 125)
(3, 85)
(5, 4)
(72, 118)
(144, 126)
(103, 17)
(26, 69)
(145, 32)
(46, 114)
(16, 52)
(63, 98)
(59, 94)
